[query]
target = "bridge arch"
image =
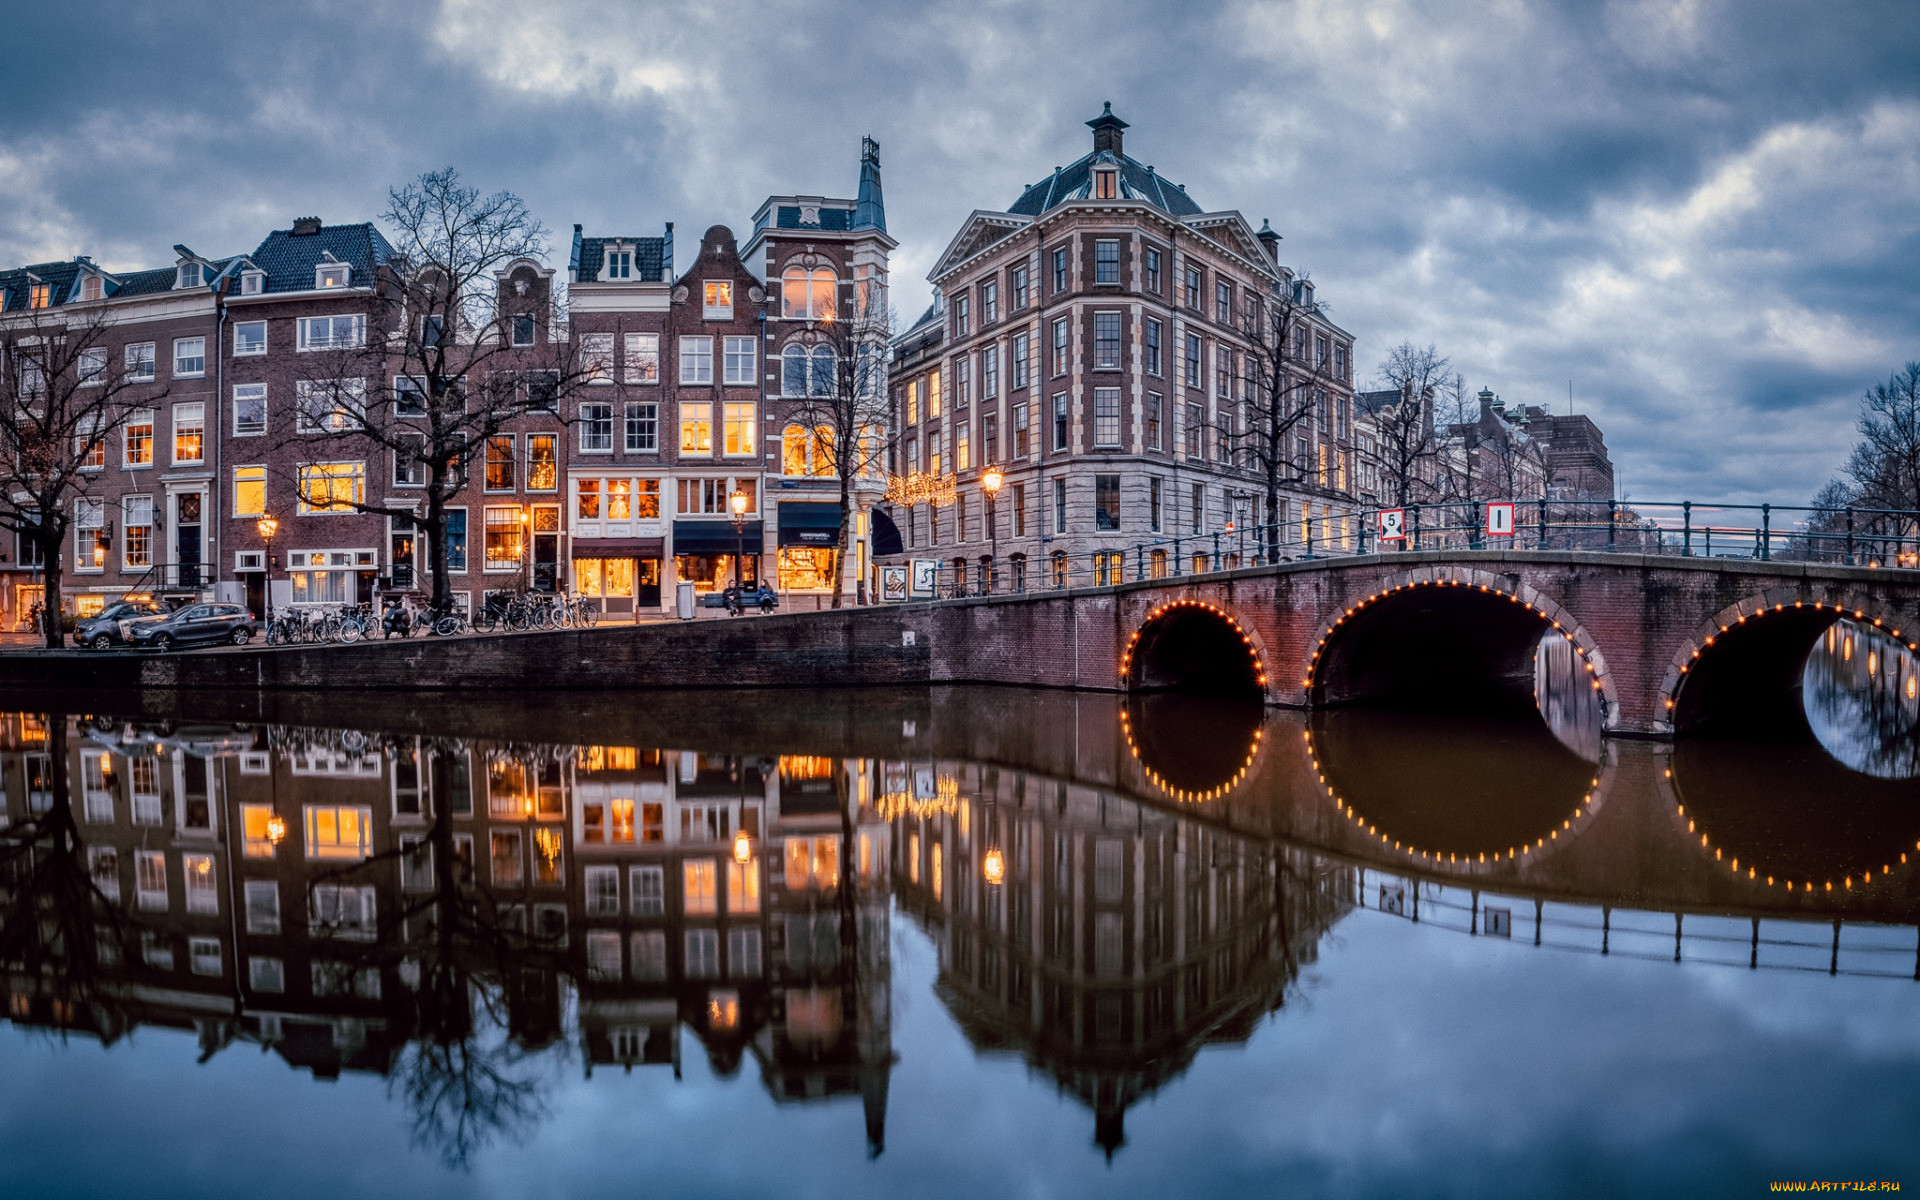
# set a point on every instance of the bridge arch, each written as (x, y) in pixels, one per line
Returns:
(1743, 664)
(1471, 629)
(1194, 645)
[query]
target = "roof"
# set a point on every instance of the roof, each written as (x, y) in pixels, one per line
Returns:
(14, 283)
(649, 255)
(1137, 182)
(290, 260)
(147, 283)
(1374, 403)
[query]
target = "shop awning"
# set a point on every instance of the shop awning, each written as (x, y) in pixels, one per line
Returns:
(716, 537)
(886, 535)
(619, 547)
(808, 524)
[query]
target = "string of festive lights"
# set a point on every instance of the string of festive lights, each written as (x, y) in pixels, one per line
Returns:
(1806, 886)
(1161, 610)
(1183, 795)
(1687, 663)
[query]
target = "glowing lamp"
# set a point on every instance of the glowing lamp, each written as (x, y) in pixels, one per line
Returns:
(994, 867)
(742, 848)
(738, 502)
(276, 829)
(991, 479)
(267, 527)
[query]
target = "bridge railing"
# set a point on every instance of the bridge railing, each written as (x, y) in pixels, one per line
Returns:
(1867, 537)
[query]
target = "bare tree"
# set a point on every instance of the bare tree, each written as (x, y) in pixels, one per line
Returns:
(841, 378)
(1885, 464)
(1406, 443)
(60, 406)
(473, 352)
(1283, 383)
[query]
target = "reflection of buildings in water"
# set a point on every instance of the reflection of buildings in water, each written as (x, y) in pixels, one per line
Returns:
(1118, 939)
(1564, 692)
(1861, 690)
(315, 891)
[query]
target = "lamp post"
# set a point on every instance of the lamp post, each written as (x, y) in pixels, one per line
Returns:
(737, 508)
(990, 481)
(268, 527)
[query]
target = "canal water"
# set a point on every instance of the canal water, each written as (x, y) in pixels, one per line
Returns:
(956, 943)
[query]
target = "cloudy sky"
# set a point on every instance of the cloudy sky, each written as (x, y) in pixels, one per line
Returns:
(1700, 213)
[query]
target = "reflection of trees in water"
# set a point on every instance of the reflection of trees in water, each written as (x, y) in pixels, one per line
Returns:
(1862, 697)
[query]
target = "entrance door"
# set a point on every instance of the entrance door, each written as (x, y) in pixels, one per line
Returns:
(646, 584)
(256, 582)
(186, 539)
(546, 547)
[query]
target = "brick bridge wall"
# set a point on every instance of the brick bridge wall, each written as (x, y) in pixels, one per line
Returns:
(1640, 624)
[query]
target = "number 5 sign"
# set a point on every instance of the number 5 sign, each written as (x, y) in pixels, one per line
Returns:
(1500, 518)
(1393, 524)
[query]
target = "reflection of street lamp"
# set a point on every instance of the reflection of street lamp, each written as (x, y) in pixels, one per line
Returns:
(737, 506)
(268, 527)
(994, 867)
(742, 848)
(990, 481)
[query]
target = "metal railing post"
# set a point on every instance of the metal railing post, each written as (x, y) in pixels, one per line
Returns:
(1612, 521)
(1215, 564)
(1686, 530)
(1363, 533)
(1414, 511)
(1543, 522)
(1177, 568)
(1766, 533)
(1849, 535)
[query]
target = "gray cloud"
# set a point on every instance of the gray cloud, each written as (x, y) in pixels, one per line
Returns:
(1700, 212)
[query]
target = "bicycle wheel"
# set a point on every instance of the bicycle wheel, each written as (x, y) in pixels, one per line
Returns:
(518, 619)
(589, 615)
(349, 630)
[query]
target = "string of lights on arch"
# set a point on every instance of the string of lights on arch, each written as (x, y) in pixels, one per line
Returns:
(1183, 795)
(1753, 873)
(1582, 812)
(1326, 635)
(1161, 610)
(1841, 610)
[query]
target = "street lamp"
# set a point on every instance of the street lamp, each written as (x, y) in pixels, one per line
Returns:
(526, 539)
(990, 481)
(268, 527)
(737, 506)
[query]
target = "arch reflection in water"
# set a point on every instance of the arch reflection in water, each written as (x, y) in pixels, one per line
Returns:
(1861, 690)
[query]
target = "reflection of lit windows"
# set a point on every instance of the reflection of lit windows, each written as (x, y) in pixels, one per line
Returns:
(509, 867)
(649, 886)
(703, 955)
(653, 822)
(743, 886)
(203, 895)
(699, 895)
(150, 874)
(546, 855)
(338, 831)
(812, 863)
(622, 827)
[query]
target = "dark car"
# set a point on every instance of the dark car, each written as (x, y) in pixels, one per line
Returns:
(102, 629)
(196, 624)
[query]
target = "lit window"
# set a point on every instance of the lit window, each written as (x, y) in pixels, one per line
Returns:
(256, 839)
(189, 433)
(332, 275)
(807, 294)
(338, 831)
(717, 301)
(543, 466)
(696, 428)
(740, 427)
(137, 513)
(139, 438)
(699, 896)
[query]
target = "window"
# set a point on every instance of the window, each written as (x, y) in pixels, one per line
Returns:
(1199, 512)
(508, 863)
(963, 381)
(332, 487)
(328, 406)
(1060, 270)
(139, 360)
(643, 357)
(331, 333)
(743, 887)
(933, 394)
(138, 438)
(743, 953)
(1022, 435)
(1019, 361)
(543, 461)
(252, 283)
(92, 367)
(960, 316)
(249, 491)
(808, 372)
(603, 951)
(596, 430)
(1059, 506)
(500, 464)
(703, 954)
(1153, 504)
(332, 275)
(1106, 258)
(649, 886)
(696, 428)
(1196, 431)
(203, 889)
(812, 863)
(1060, 421)
(1106, 341)
(989, 303)
(150, 875)
(1223, 302)
(1193, 360)
(1106, 417)
(1106, 502)
(1017, 287)
(249, 338)
(91, 540)
(989, 372)
(1193, 288)
(619, 265)
(1223, 360)
(602, 891)
(1018, 509)
(807, 295)
(189, 433)
(698, 895)
(739, 426)
(933, 452)
(338, 831)
(249, 409)
(1153, 338)
(263, 906)
(1153, 269)
(642, 427)
(911, 406)
(649, 950)
(456, 540)
(137, 515)
(962, 447)
(1153, 420)
(503, 538)
(336, 910)
(1060, 334)
(189, 357)
(266, 974)
(696, 360)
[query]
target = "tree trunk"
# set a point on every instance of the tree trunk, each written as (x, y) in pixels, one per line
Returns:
(434, 528)
(840, 538)
(53, 620)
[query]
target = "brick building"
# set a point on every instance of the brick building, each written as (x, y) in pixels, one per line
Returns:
(1091, 341)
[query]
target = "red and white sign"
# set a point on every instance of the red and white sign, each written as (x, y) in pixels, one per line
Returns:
(1500, 518)
(1393, 524)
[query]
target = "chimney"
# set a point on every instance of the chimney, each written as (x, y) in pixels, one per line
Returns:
(306, 226)
(1487, 401)
(1270, 240)
(1106, 130)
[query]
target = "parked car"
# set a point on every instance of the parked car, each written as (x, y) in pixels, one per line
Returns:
(196, 624)
(102, 630)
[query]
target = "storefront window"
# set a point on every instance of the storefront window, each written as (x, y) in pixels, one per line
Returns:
(598, 577)
(714, 572)
(804, 568)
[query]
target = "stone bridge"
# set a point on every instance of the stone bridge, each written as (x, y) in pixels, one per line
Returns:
(1668, 643)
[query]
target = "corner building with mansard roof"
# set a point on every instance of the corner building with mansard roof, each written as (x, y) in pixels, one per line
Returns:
(1086, 341)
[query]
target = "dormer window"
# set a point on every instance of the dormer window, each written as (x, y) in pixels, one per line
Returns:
(189, 275)
(619, 265)
(93, 288)
(332, 275)
(718, 302)
(40, 295)
(252, 283)
(1106, 184)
